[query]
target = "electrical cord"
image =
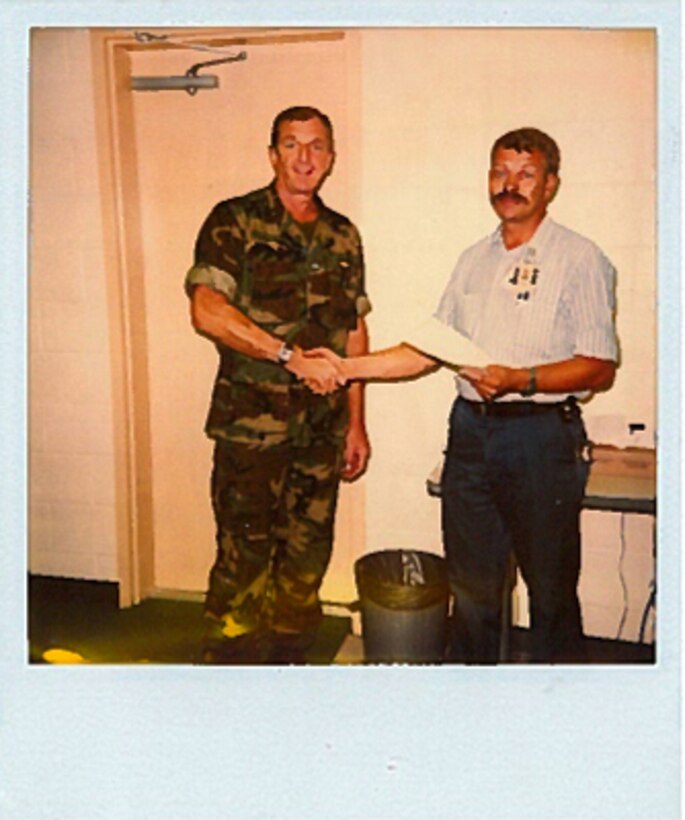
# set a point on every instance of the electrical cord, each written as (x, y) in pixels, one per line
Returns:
(651, 604)
(622, 578)
(651, 600)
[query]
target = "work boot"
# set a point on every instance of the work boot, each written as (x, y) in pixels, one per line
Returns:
(288, 649)
(218, 649)
(241, 651)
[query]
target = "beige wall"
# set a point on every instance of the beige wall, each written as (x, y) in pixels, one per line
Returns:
(416, 112)
(72, 523)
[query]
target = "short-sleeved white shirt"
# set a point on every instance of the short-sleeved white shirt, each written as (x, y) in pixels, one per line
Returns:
(545, 301)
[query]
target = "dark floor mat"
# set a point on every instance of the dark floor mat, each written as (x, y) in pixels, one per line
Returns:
(83, 617)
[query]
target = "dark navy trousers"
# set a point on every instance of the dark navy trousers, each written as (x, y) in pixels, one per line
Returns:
(514, 483)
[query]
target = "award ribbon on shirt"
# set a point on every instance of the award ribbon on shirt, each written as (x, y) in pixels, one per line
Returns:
(522, 278)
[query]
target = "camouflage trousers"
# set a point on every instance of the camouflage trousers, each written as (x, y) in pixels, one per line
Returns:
(274, 510)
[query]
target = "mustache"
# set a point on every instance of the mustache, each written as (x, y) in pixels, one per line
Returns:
(512, 195)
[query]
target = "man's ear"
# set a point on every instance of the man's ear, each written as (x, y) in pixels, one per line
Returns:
(552, 183)
(273, 156)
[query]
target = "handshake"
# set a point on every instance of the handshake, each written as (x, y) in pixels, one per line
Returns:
(323, 371)
(320, 369)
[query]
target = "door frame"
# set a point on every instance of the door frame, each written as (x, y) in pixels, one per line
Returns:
(111, 51)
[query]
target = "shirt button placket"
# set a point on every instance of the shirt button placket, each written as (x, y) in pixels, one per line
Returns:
(312, 266)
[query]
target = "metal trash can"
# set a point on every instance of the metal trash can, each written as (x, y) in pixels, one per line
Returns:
(403, 596)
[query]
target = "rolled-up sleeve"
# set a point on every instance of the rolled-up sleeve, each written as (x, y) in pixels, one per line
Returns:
(214, 278)
(218, 251)
(355, 284)
(363, 306)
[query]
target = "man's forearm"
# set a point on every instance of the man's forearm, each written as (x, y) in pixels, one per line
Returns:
(568, 376)
(392, 363)
(213, 316)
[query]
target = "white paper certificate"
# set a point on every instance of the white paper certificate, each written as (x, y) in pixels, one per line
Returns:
(437, 339)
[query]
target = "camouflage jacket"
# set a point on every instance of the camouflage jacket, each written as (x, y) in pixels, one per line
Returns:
(306, 291)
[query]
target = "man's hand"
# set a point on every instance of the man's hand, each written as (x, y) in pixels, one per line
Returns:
(357, 451)
(317, 372)
(494, 380)
(327, 355)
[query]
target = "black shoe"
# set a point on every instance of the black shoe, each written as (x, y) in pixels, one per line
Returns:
(288, 649)
(286, 656)
(244, 650)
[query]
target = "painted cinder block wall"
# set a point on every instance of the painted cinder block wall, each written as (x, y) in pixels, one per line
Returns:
(71, 515)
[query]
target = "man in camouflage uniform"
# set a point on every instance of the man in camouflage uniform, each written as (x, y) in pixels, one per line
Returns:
(277, 272)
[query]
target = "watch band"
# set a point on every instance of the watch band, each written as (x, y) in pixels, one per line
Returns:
(532, 387)
(284, 354)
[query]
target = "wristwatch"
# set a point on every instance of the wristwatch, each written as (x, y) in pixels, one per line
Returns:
(284, 354)
(532, 386)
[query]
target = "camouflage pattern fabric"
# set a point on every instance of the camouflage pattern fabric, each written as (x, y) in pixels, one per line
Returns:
(306, 291)
(278, 453)
(274, 512)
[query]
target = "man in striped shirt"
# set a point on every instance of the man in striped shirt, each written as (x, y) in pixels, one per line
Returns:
(539, 300)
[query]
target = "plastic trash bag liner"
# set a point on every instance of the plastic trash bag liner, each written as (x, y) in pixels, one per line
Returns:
(402, 579)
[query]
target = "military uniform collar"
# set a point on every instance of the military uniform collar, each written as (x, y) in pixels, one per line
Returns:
(279, 211)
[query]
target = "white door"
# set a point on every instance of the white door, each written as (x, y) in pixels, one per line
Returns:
(194, 151)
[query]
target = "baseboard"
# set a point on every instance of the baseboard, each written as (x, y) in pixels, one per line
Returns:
(162, 593)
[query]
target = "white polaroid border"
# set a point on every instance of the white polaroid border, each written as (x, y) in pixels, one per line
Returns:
(506, 742)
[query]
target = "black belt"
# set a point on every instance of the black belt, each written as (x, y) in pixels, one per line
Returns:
(518, 409)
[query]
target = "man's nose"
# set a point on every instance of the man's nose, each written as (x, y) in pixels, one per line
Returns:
(511, 183)
(303, 153)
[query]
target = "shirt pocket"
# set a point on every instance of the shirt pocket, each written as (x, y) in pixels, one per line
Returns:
(332, 304)
(276, 293)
